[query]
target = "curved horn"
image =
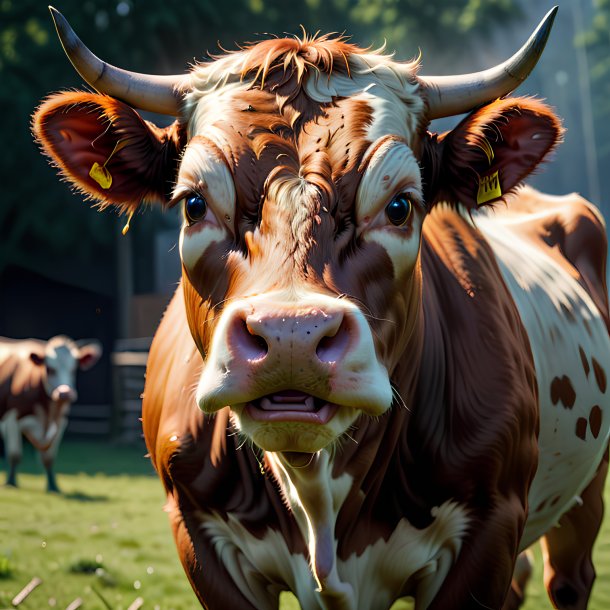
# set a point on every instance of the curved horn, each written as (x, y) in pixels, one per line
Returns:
(154, 93)
(450, 95)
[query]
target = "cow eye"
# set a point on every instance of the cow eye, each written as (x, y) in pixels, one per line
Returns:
(195, 208)
(399, 210)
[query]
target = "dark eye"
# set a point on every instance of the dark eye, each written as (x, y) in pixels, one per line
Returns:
(195, 208)
(399, 210)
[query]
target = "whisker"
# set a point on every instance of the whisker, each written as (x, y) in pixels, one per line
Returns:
(351, 438)
(397, 395)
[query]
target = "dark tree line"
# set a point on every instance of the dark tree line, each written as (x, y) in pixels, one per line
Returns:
(38, 215)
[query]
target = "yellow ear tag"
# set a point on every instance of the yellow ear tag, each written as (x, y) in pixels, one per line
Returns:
(99, 172)
(489, 188)
(101, 175)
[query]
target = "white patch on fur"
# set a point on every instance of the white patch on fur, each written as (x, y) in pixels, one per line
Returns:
(194, 245)
(376, 577)
(390, 87)
(203, 169)
(391, 170)
(206, 106)
(62, 364)
(401, 250)
(541, 288)
(204, 166)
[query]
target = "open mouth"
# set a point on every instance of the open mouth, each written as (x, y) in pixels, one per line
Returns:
(291, 406)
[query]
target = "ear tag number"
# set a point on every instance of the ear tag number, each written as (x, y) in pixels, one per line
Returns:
(489, 188)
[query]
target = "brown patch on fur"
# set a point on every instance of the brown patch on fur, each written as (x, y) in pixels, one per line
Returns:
(281, 65)
(468, 354)
(561, 389)
(22, 381)
(595, 420)
(585, 362)
(581, 428)
(600, 375)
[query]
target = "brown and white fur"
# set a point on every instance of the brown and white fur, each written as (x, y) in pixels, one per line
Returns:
(37, 387)
(384, 410)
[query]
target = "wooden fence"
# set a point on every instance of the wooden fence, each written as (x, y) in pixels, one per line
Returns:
(121, 420)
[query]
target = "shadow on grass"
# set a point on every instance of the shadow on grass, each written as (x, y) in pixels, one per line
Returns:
(81, 496)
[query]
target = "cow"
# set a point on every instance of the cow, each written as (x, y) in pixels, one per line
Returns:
(37, 387)
(398, 351)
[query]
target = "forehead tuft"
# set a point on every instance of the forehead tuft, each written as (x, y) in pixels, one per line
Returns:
(302, 77)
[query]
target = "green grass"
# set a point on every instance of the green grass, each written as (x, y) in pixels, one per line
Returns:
(107, 540)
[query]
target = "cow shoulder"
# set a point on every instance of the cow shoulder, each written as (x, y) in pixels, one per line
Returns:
(477, 393)
(569, 229)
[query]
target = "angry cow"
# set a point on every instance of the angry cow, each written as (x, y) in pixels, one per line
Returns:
(401, 380)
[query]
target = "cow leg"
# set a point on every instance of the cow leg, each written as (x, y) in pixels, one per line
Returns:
(521, 576)
(567, 549)
(48, 457)
(9, 427)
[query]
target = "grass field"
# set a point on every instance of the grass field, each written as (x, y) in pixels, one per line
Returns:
(107, 541)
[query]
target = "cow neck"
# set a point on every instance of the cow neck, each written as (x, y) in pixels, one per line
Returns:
(315, 498)
(379, 456)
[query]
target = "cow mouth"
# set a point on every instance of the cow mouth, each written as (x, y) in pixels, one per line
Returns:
(291, 406)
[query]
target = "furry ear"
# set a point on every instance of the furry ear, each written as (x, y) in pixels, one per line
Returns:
(89, 352)
(106, 150)
(490, 152)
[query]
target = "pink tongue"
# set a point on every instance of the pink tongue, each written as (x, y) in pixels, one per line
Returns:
(289, 400)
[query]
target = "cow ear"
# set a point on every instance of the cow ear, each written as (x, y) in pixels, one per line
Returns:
(106, 150)
(37, 358)
(89, 352)
(490, 152)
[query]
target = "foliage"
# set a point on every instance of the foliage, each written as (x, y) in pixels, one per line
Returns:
(37, 215)
(597, 43)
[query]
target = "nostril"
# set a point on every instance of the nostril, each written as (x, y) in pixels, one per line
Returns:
(246, 343)
(332, 347)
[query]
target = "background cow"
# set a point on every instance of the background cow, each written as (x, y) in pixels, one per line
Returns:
(399, 389)
(37, 387)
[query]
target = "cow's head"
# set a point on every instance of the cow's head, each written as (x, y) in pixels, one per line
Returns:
(304, 173)
(61, 358)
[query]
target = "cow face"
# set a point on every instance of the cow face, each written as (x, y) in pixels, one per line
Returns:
(289, 208)
(61, 359)
(304, 173)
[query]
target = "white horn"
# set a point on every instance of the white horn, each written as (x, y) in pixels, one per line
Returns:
(450, 95)
(154, 93)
